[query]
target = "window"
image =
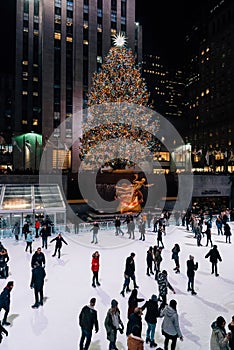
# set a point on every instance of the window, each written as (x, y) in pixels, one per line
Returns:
(57, 36)
(24, 122)
(35, 122)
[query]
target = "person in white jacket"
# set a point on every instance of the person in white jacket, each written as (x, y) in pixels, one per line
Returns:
(170, 325)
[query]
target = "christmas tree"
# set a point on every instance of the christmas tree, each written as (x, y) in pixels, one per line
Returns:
(118, 85)
(119, 79)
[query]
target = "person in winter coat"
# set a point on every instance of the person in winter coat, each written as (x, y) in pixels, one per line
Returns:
(135, 319)
(5, 301)
(191, 268)
(133, 302)
(117, 226)
(219, 225)
(159, 237)
(208, 236)
(175, 256)
(95, 268)
(4, 258)
(157, 260)
(219, 338)
(95, 230)
(113, 324)
(37, 283)
(170, 325)
(227, 232)
(37, 227)
(163, 286)
(16, 230)
(141, 228)
(214, 257)
(149, 261)
(231, 328)
(29, 240)
(88, 320)
(135, 342)
(58, 245)
(38, 256)
(44, 236)
(129, 273)
(151, 315)
(25, 229)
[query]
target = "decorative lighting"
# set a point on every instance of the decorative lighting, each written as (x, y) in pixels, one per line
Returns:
(119, 40)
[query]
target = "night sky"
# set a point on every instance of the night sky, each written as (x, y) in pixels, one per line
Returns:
(165, 27)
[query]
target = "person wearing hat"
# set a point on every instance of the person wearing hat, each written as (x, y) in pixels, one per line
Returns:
(113, 324)
(151, 315)
(163, 286)
(88, 320)
(170, 325)
(219, 337)
(214, 257)
(5, 301)
(191, 268)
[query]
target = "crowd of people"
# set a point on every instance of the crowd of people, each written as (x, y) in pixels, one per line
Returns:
(157, 306)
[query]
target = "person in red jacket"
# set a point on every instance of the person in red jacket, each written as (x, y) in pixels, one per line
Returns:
(95, 268)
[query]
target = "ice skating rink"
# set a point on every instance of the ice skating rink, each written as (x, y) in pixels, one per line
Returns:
(68, 288)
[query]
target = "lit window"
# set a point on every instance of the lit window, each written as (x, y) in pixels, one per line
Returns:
(69, 23)
(197, 117)
(25, 30)
(85, 42)
(207, 91)
(35, 93)
(35, 78)
(113, 31)
(99, 29)
(35, 65)
(69, 39)
(202, 53)
(207, 49)
(86, 24)
(35, 122)
(24, 122)
(25, 74)
(24, 92)
(25, 63)
(99, 59)
(57, 36)
(36, 32)
(229, 143)
(202, 94)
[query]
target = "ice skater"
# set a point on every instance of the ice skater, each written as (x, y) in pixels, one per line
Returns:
(95, 230)
(191, 268)
(58, 245)
(37, 283)
(95, 268)
(214, 257)
(87, 321)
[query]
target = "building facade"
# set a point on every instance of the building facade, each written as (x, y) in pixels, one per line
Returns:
(210, 87)
(59, 45)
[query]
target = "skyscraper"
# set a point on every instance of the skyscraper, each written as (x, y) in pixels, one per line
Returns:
(59, 45)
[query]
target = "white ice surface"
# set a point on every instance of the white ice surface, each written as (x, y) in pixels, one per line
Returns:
(68, 288)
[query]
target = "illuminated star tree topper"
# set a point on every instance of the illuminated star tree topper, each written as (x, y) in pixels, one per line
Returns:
(119, 40)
